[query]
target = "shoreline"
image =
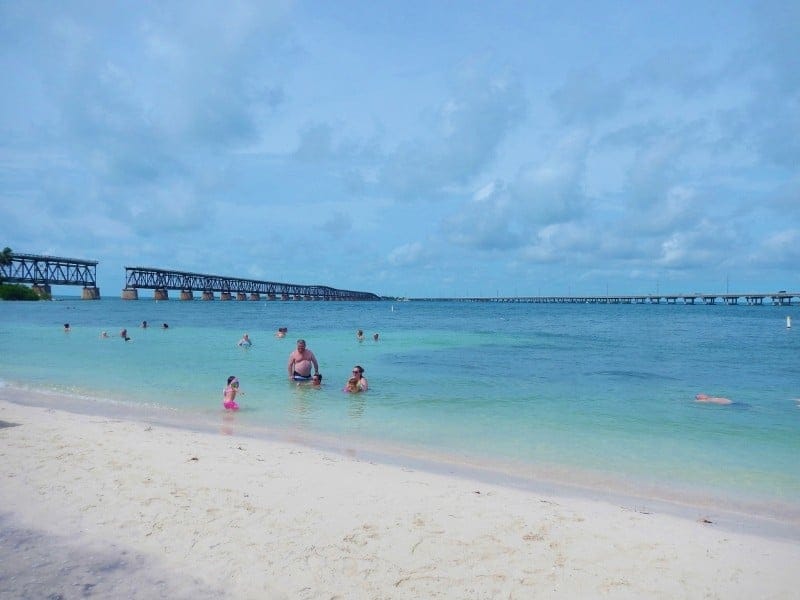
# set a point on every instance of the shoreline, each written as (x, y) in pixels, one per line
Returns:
(771, 519)
(246, 518)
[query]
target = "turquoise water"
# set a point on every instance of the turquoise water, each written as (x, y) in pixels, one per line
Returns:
(589, 395)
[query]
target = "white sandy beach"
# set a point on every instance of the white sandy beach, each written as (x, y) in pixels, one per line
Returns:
(99, 507)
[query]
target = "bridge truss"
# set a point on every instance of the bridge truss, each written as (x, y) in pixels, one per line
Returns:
(49, 270)
(162, 279)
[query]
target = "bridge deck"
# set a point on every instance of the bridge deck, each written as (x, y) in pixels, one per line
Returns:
(777, 298)
(162, 280)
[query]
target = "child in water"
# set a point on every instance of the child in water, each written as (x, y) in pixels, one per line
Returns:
(315, 381)
(352, 386)
(229, 394)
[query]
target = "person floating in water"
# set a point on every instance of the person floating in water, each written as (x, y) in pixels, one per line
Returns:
(300, 363)
(66, 328)
(712, 399)
(360, 335)
(281, 333)
(245, 341)
(375, 336)
(230, 392)
(144, 324)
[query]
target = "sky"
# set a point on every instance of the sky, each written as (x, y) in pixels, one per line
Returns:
(415, 148)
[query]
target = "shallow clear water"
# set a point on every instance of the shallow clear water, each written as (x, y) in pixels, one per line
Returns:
(594, 395)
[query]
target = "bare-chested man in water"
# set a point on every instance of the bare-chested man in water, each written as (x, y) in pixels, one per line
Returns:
(300, 362)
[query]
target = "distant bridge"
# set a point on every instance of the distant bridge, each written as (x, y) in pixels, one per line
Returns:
(162, 280)
(41, 272)
(781, 298)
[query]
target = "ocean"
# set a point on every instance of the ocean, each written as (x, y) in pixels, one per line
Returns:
(596, 398)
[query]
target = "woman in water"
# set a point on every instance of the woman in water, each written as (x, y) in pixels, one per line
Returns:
(230, 392)
(361, 381)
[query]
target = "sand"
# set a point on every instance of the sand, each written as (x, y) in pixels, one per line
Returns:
(93, 506)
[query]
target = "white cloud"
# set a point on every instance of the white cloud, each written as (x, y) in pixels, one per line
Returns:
(408, 255)
(463, 139)
(663, 147)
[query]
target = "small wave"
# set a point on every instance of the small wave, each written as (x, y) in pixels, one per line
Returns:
(634, 375)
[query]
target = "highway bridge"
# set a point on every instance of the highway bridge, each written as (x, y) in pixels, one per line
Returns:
(781, 298)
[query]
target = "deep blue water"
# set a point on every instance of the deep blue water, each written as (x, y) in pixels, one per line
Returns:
(595, 395)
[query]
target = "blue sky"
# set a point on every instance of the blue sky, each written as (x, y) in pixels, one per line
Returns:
(408, 148)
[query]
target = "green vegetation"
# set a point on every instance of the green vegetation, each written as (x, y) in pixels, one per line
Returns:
(5, 259)
(14, 291)
(17, 292)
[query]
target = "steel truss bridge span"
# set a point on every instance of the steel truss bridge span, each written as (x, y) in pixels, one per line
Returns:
(162, 280)
(41, 271)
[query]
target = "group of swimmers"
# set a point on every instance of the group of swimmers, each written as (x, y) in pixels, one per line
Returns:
(301, 362)
(123, 332)
(360, 336)
(246, 342)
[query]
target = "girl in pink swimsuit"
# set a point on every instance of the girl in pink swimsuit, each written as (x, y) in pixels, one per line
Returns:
(229, 394)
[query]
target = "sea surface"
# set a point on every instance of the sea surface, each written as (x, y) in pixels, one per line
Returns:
(596, 397)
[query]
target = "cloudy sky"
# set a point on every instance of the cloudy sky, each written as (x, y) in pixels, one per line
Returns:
(409, 148)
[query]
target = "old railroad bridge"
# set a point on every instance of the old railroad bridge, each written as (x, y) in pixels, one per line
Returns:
(42, 272)
(161, 280)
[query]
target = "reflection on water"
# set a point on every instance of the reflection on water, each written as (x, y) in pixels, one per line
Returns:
(355, 406)
(304, 405)
(228, 420)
